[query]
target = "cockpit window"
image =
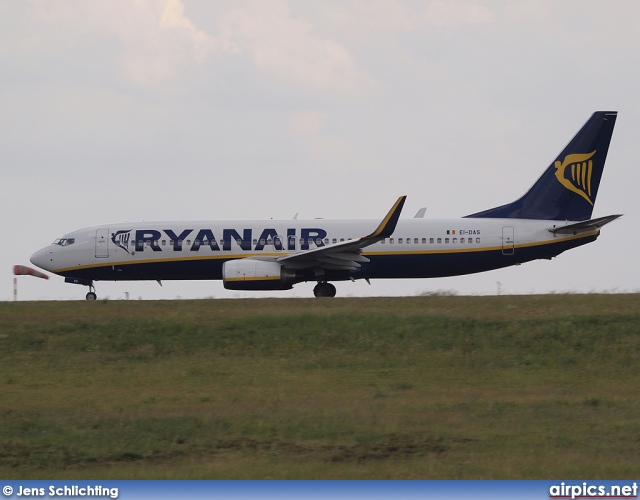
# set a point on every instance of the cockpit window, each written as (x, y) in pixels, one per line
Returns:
(63, 242)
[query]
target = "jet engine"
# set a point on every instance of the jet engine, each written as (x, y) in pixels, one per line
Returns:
(254, 274)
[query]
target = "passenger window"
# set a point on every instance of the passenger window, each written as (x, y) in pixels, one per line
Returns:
(164, 242)
(341, 240)
(446, 240)
(383, 242)
(391, 240)
(430, 240)
(399, 240)
(439, 240)
(461, 240)
(455, 240)
(262, 241)
(477, 240)
(255, 242)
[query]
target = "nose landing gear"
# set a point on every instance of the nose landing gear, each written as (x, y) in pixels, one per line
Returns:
(86, 282)
(91, 295)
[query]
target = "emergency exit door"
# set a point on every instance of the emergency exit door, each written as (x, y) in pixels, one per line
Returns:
(507, 240)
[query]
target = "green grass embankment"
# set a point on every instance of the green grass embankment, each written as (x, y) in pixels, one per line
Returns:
(424, 387)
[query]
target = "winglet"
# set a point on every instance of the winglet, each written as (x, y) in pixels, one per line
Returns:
(388, 224)
(346, 254)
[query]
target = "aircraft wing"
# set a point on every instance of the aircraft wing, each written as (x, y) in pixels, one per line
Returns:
(345, 255)
(585, 226)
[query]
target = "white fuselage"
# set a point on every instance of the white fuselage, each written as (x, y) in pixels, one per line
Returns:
(196, 249)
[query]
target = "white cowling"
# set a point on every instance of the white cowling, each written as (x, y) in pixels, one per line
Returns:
(254, 274)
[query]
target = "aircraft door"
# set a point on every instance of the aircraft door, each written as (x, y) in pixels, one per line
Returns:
(102, 243)
(507, 240)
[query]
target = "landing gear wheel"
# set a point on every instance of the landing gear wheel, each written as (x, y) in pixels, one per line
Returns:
(324, 289)
(92, 292)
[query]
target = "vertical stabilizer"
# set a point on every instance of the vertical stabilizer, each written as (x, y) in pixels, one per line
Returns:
(568, 188)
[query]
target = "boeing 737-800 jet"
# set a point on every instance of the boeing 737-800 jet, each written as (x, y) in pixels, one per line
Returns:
(553, 216)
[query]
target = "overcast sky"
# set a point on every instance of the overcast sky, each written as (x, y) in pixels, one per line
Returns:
(115, 110)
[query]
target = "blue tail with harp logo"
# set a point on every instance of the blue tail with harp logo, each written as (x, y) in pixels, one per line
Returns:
(567, 190)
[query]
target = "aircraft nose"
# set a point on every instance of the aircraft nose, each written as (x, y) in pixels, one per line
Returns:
(41, 259)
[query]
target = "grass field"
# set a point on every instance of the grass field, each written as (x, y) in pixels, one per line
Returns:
(423, 387)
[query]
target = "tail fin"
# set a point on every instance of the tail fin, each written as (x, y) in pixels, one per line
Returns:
(567, 190)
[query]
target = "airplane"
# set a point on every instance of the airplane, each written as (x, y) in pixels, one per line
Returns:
(550, 218)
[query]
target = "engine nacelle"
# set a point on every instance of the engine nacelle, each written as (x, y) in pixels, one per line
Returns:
(253, 274)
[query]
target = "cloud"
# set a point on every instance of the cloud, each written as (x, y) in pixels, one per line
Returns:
(156, 40)
(392, 15)
(173, 18)
(304, 123)
(451, 14)
(289, 49)
(154, 37)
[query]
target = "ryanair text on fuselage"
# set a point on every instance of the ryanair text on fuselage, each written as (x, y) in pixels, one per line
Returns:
(151, 238)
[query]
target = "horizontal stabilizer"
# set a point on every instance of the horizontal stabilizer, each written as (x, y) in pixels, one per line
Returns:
(585, 226)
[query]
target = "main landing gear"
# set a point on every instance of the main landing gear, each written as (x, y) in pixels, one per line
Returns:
(324, 289)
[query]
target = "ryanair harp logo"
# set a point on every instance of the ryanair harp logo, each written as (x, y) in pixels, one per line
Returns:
(121, 239)
(577, 178)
